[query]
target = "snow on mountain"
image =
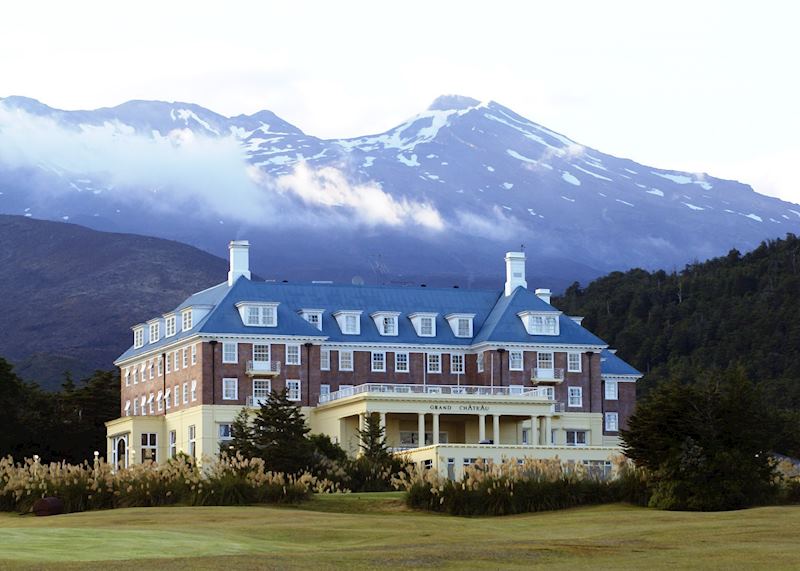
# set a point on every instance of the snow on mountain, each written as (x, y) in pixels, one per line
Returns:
(441, 195)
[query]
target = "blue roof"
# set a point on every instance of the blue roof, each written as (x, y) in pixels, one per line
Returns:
(610, 364)
(495, 321)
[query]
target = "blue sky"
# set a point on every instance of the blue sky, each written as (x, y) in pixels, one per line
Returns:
(698, 86)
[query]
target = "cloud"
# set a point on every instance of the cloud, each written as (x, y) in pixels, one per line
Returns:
(367, 203)
(496, 226)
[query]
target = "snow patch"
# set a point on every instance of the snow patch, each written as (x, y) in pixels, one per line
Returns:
(752, 216)
(409, 162)
(595, 175)
(520, 157)
(508, 185)
(692, 206)
(490, 169)
(507, 207)
(568, 199)
(186, 114)
(623, 202)
(632, 172)
(655, 191)
(795, 212)
(368, 162)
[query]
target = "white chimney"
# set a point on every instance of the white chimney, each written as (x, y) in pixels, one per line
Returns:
(240, 260)
(543, 294)
(515, 271)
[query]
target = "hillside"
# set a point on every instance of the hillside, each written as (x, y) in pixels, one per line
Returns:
(435, 199)
(68, 294)
(735, 309)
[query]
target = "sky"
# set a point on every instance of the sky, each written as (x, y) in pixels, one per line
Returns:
(697, 86)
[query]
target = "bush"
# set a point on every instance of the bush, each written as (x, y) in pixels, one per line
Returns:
(224, 481)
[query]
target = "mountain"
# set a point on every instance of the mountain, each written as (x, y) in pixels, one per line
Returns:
(437, 199)
(69, 295)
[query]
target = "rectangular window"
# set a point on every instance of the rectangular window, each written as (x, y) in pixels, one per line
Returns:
(253, 315)
(127, 408)
(293, 389)
(575, 396)
(194, 391)
(230, 352)
(401, 362)
(457, 363)
(576, 438)
(225, 432)
(324, 390)
(389, 325)
(515, 360)
(175, 360)
(144, 372)
(149, 446)
(185, 358)
(434, 363)
(192, 441)
(345, 360)
(314, 319)
(350, 324)
(152, 370)
(135, 406)
(426, 326)
(186, 320)
(293, 354)
(544, 360)
(154, 333)
(378, 362)
(573, 362)
(261, 390)
(185, 393)
(194, 354)
(612, 390)
(230, 389)
(480, 362)
(169, 326)
(550, 325)
(160, 366)
(463, 327)
(169, 365)
(177, 395)
(268, 316)
(138, 337)
(612, 421)
(261, 353)
(127, 377)
(168, 399)
(151, 405)
(173, 444)
(325, 360)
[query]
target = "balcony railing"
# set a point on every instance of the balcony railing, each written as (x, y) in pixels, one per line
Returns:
(401, 390)
(255, 402)
(539, 375)
(263, 368)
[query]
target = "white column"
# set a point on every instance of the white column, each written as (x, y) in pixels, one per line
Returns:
(481, 427)
(436, 428)
(383, 421)
(542, 431)
(496, 428)
(421, 429)
(533, 435)
(548, 429)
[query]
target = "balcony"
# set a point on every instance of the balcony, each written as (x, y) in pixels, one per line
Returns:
(404, 390)
(255, 402)
(539, 375)
(263, 368)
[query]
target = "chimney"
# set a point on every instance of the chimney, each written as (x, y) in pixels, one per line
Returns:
(515, 271)
(543, 294)
(239, 260)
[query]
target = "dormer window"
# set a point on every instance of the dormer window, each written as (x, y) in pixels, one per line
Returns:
(460, 323)
(138, 337)
(154, 332)
(349, 321)
(186, 319)
(169, 325)
(424, 323)
(255, 314)
(313, 316)
(538, 323)
(386, 322)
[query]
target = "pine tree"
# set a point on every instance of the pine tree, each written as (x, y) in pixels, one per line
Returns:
(280, 435)
(372, 440)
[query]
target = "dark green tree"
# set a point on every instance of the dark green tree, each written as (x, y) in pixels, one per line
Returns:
(280, 435)
(705, 444)
(373, 469)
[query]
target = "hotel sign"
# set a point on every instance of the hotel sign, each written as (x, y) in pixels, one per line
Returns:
(460, 407)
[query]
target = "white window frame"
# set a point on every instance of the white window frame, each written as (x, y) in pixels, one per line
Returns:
(185, 393)
(168, 364)
(434, 363)
(173, 443)
(611, 390)
(258, 314)
(343, 352)
(545, 357)
(457, 366)
(160, 366)
(192, 439)
(516, 363)
(324, 359)
(160, 401)
(293, 361)
(169, 326)
(260, 392)
(313, 316)
(349, 321)
(127, 376)
(127, 408)
(151, 408)
(575, 397)
(612, 422)
(479, 358)
(426, 327)
(138, 337)
(176, 365)
(220, 431)
(176, 398)
(185, 357)
(168, 399)
(324, 389)
(575, 433)
(541, 323)
(143, 371)
(152, 369)
(294, 390)
(378, 361)
(187, 320)
(261, 350)
(194, 354)
(135, 406)
(194, 390)
(154, 332)
(228, 345)
(230, 388)
(398, 362)
(571, 367)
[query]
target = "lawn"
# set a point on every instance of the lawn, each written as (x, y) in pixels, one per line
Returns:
(367, 531)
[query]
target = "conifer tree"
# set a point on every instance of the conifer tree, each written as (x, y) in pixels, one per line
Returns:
(280, 435)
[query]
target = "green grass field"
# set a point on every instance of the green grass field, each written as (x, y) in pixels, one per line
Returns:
(368, 531)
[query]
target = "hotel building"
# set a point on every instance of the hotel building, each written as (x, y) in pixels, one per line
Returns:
(454, 374)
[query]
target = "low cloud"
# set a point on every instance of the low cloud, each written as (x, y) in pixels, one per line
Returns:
(496, 225)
